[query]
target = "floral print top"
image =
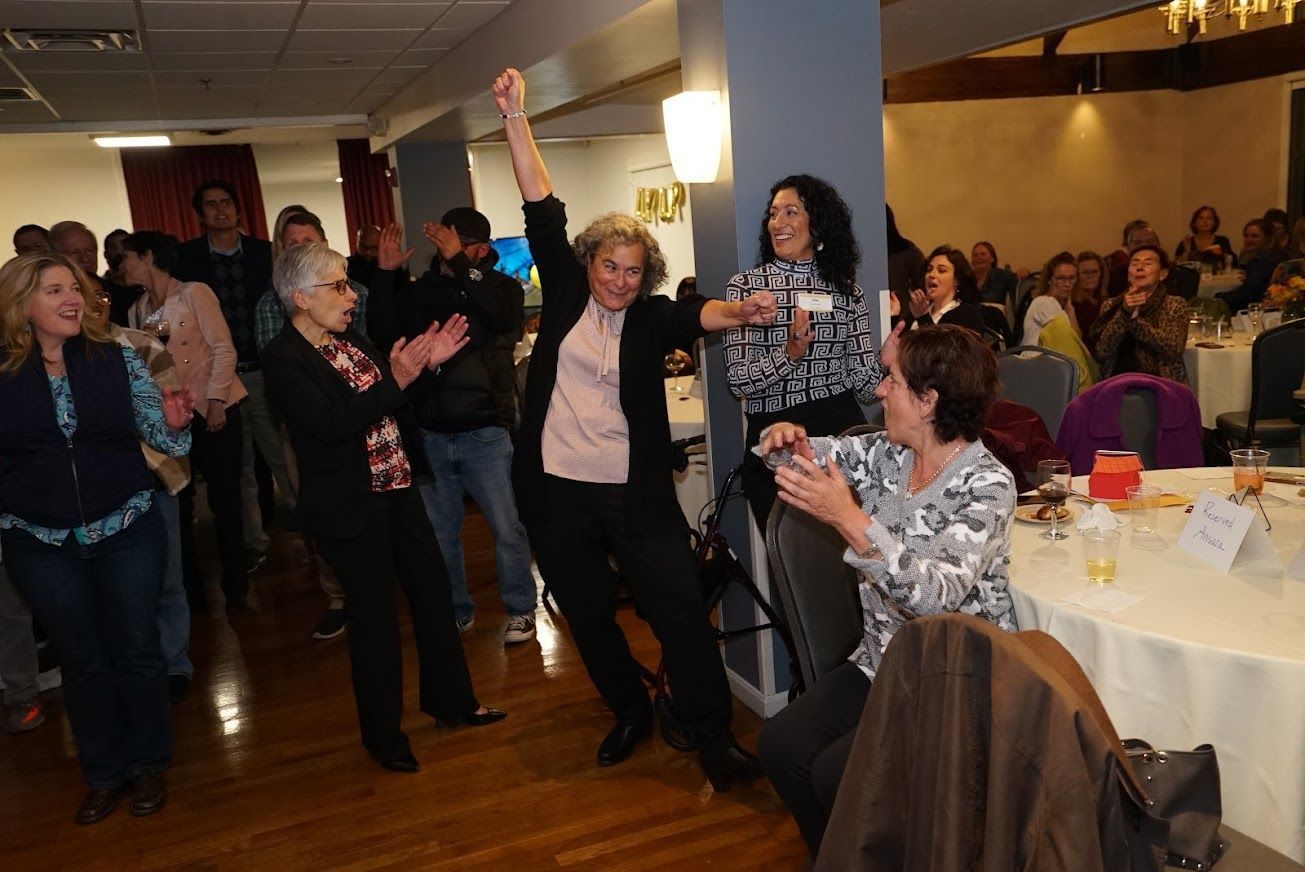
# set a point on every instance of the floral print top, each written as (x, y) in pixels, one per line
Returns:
(146, 404)
(385, 455)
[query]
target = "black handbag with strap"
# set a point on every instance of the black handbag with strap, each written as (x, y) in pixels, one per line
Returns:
(1183, 787)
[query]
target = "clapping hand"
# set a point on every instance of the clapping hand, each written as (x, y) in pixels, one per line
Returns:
(510, 91)
(920, 303)
(759, 308)
(390, 254)
(408, 359)
(894, 304)
(178, 407)
(447, 340)
(444, 238)
(799, 335)
(1135, 297)
(888, 354)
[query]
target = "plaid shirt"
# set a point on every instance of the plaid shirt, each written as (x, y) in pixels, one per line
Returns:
(269, 315)
(174, 472)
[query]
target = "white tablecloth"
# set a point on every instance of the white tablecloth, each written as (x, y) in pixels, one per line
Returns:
(1220, 377)
(687, 418)
(1211, 284)
(1206, 657)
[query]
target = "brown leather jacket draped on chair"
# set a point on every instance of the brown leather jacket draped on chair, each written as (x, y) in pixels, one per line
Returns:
(974, 752)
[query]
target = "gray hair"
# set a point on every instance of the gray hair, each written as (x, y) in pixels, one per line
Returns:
(301, 267)
(617, 228)
(63, 227)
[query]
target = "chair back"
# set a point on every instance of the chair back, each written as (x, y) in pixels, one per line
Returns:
(1138, 421)
(1277, 368)
(817, 590)
(1185, 282)
(1044, 380)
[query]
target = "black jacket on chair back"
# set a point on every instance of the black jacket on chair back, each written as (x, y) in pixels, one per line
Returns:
(328, 422)
(53, 481)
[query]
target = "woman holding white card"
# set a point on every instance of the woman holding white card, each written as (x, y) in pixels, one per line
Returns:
(818, 358)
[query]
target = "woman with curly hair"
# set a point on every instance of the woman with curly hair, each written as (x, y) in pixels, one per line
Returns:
(818, 358)
(950, 294)
(592, 470)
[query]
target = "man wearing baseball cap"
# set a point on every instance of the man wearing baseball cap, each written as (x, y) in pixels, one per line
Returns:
(468, 406)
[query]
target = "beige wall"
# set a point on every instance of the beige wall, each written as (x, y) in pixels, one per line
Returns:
(1038, 175)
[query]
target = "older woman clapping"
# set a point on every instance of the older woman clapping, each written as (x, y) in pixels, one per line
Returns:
(359, 455)
(928, 531)
(82, 538)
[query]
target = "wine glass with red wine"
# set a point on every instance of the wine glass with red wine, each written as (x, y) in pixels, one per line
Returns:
(1053, 486)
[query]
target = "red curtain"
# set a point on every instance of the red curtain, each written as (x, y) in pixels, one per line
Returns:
(366, 188)
(162, 181)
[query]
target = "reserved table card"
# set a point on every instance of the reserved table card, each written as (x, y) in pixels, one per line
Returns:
(1220, 532)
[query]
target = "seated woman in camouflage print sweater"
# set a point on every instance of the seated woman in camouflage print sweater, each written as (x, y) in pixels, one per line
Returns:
(928, 531)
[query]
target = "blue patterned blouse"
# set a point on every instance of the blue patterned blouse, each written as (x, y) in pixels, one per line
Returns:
(146, 403)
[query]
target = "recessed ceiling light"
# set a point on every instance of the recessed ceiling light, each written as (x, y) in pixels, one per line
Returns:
(340, 60)
(131, 141)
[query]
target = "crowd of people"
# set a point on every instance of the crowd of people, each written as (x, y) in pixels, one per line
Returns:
(377, 399)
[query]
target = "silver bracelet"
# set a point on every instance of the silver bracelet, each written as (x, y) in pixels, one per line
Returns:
(520, 113)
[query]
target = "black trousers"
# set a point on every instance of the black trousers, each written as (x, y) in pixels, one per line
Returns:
(827, 417)
(587, 522)
(398, 545)
(804, 748)
(216, 456)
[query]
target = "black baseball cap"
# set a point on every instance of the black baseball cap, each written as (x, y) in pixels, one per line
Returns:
(470, 224)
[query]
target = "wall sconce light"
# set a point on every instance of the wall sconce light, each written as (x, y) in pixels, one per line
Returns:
(693, 134)
(1094, 76)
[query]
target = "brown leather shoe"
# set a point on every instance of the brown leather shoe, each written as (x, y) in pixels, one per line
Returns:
(97, 804)
(148, 793)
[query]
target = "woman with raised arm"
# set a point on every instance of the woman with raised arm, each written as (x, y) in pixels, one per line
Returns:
(592, 470)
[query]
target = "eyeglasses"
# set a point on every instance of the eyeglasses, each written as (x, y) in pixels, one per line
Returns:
(341, 286)
(1063, 280)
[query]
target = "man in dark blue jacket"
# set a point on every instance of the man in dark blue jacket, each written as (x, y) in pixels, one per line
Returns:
(466, 408)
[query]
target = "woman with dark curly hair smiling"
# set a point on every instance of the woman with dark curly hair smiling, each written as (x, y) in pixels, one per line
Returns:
(950, 295)
(818, 358)
(925, 510)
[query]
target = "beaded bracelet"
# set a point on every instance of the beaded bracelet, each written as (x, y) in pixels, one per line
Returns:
(520, 113)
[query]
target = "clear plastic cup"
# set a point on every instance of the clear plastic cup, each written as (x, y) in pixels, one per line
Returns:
(1101, 548)
(1249, 467)
(1143, 506)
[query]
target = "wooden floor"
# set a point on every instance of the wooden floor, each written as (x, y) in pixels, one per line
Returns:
(268, 771)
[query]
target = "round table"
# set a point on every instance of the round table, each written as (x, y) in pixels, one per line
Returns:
(1225, 281)
(1207, 656)
(1220, 377)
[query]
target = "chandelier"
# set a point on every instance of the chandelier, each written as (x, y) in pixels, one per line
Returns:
(1181, 14)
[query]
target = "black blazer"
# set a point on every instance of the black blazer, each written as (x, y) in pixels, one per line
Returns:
(328, 422)
(194, 264)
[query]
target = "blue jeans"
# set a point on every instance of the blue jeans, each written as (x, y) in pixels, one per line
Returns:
(480, 461)
(174, 609)
(100, 605)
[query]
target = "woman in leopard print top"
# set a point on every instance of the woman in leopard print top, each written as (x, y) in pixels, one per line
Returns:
(1144, 329)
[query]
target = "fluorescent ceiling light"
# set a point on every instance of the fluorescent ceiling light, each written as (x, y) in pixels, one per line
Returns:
(131, 141)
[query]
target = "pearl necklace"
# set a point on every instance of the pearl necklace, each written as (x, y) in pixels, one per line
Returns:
(912, 491)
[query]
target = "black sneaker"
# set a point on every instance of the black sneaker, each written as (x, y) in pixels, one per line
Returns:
(332, 624)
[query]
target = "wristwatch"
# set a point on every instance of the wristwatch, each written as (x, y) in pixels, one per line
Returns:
(474, 274)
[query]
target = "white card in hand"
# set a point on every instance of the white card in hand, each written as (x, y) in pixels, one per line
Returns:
(816, 302)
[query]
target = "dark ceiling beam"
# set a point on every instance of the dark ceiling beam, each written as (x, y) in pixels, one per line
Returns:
(1268, 52)
(1052, 41)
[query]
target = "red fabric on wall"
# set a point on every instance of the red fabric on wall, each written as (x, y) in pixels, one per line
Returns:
(367, 195)
(161, 182)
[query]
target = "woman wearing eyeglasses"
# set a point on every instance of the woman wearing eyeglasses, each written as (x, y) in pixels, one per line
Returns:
(188, 318)
(360, 456)
(1052, 296)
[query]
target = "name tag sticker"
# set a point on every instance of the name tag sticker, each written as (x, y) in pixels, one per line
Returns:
(816, 302)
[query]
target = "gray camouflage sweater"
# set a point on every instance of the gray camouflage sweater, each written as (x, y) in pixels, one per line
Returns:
(947, 548)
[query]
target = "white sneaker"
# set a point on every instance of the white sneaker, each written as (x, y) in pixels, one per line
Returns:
(520, 628)
(464, 626)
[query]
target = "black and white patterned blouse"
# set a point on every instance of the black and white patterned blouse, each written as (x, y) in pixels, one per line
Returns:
(945, 549)
(841, 355)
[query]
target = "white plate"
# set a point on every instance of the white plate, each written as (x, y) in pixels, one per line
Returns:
(1029, 514)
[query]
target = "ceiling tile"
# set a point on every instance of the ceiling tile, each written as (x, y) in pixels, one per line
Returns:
(441, 37)
(217, 80)
(344, 40)
(109, 81)
(468, 15)
(322, 89)
(202, 61)
(25, 113)
(312, 60)
(334, 76)
(215, 40)
(367, 103)
(420, 57)
(399, 75)
(374, 15)
(318, 106)
(42, 13)
(226, 15)
(75, 61)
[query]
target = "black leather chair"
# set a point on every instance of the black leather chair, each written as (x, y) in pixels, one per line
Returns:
(816, 588)
(1044, 380)
(1277, 368)
(1185, 282)
(1137, 419)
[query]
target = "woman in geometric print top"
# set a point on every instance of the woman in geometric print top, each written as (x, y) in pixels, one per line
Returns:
(818, 358)
(928, 532)
(360, 461)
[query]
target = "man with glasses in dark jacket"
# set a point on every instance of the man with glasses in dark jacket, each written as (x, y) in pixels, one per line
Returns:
(467, 407)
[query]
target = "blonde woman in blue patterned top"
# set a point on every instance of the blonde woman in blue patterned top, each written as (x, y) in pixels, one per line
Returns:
(928, 531)
(83, 541)
(812, 365)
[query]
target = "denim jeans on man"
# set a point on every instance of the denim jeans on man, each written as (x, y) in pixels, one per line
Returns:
(174, 609)
(99, 603)
(481, 462)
